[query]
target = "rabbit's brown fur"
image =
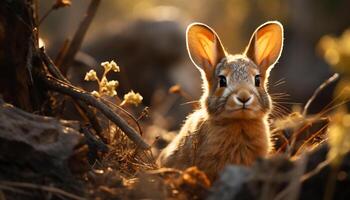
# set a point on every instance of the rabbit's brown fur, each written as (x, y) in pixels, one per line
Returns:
(231, 125)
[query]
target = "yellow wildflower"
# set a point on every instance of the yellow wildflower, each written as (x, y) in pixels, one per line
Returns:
(110, 88)
(103, 82)
(106, 66)
(132, 98)
(111, 93)
(110, 66)
(105, 87)
(114, 66)
(91, 76)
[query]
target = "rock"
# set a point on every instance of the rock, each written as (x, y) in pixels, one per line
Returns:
(277, 177)
(230, 183)
(37, 149)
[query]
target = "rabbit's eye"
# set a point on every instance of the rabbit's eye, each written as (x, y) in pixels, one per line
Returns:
(257, 80)
(222, 81)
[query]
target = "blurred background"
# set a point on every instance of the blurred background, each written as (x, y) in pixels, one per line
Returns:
(147, 40)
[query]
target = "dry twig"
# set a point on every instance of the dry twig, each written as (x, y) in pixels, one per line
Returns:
(62, 52)
(318, 90)
(86, 110)
(125, 112)
(78, 38)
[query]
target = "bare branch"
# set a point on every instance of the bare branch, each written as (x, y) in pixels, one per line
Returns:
(86, 110)
(77, 93)
(79, 36)
(318, 90)
(62, 52)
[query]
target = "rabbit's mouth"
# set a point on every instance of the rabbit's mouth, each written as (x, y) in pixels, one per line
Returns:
(241, 113)
(242, 109)
(234, 107)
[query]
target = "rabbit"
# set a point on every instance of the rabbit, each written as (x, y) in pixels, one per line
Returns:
(231, 125)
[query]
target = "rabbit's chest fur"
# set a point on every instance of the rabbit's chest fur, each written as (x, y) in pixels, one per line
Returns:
(211, 146)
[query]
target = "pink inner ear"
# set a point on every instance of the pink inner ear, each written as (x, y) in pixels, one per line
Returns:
(265, 47)
(204, 48)
(208, 48)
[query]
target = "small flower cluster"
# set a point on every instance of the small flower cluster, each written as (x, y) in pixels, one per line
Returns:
(91, 76)
(132, 98)
(108, 88)
(105, 87)
(108, 66)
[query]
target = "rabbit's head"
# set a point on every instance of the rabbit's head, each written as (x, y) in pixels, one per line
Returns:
(235, 85)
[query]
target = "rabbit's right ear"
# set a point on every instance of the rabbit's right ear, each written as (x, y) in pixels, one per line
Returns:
(204, 48)
(266, 45)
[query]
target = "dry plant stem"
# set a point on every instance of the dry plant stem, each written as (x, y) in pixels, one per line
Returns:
(51, 66)
(77, 93)
(315, 171)
(86, 110)
(302, 147)
(318, 90)
(124, 111)
(45, 15)
(286, 142)
(62, 53)
(185, 95)
(143, 114)
(295, 136)
(79, 36)
(54, 190)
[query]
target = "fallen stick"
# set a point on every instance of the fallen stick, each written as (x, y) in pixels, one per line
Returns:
(62, 87)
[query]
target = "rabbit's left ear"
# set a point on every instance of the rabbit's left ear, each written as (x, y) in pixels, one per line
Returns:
(204, 48)
(266, 45)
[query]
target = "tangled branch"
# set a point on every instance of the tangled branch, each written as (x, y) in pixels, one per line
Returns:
(62, 87)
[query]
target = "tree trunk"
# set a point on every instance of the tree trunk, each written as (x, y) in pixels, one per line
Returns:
(17, 44)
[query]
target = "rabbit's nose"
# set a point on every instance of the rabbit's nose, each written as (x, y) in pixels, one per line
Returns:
(243, 98)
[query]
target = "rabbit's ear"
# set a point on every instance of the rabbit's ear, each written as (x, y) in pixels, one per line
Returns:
(266, 45)
(204, 48)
